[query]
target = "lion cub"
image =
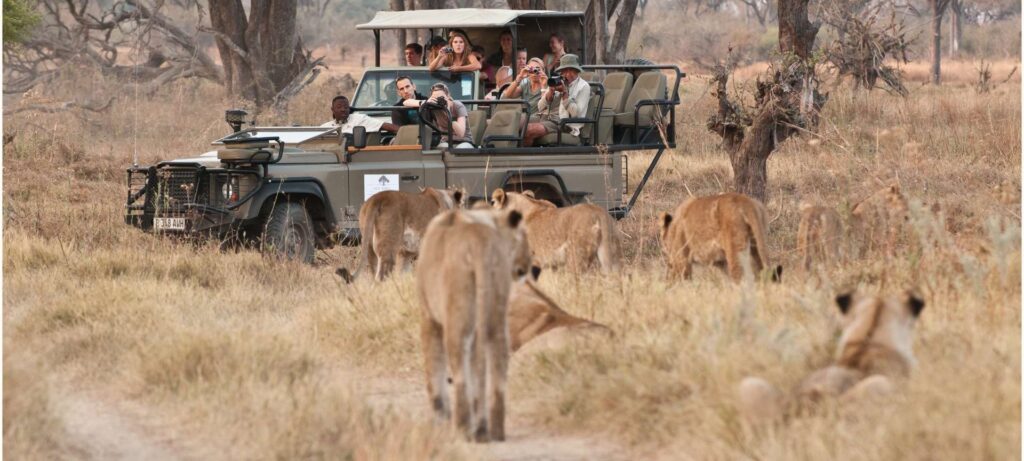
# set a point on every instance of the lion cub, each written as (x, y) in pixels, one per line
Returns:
(532, 313)
(874, 348)
(882, 215)
(466, 269)
(575, 236)
(715, 229)
(392, 223)
(819, 234)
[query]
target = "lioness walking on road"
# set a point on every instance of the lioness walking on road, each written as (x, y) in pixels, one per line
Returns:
(466, 269)
(875, 348)
(716, 229)
(392, 223)
(576, 237)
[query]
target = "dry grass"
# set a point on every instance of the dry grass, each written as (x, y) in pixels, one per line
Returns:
(251, 358)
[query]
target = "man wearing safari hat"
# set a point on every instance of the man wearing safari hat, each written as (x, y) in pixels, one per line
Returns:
(573, 94)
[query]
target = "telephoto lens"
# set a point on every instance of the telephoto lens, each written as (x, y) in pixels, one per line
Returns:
(555, 81)
(441, 101)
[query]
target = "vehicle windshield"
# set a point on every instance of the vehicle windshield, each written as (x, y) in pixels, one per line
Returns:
(377, 89)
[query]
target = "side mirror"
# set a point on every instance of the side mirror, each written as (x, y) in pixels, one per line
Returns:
(235, 118)
(359, 137)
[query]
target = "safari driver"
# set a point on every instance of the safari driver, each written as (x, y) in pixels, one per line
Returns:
(347, 120)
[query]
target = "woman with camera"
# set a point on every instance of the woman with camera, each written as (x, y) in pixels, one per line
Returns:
(456, 56)
(530, 84)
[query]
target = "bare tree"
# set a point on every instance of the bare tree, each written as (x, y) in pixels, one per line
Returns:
(758, 9)
(786, 102)
(866, 46)
(76, 32)
(262, 54)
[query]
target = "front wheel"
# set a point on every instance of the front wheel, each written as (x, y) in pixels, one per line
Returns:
(288, 233)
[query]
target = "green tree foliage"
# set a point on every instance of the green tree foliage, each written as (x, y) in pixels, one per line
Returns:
(18, 19)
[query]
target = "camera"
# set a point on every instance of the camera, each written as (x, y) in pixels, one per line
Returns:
(441, 101)
(533, 70)
(448, 50)
(555, 81)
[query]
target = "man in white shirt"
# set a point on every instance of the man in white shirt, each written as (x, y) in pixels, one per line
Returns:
(347, 120)
(575, 97)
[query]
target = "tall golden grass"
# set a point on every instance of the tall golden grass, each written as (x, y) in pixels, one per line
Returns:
(243, 357)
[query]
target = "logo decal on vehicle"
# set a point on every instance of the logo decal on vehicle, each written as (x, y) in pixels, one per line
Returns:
(373, 183)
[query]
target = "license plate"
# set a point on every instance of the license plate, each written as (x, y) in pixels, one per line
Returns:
(169, 223)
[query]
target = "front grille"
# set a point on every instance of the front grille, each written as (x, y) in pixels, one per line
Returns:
(177, 186)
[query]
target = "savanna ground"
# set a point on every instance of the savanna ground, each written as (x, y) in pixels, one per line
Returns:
(123, 344)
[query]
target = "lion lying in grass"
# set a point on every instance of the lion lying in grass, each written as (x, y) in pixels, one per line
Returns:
(819, 236)
(874, 349)
(532, 313)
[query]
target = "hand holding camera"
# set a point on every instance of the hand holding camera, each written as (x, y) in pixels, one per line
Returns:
(447, 50)
(556, 83)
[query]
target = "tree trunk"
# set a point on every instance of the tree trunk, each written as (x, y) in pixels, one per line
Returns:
(623, 27)
(955, 27)
(788, 93)
(263, 55)
(938, 9)
(399, 5)
(601, 31)
(796, 33)
(590, 17)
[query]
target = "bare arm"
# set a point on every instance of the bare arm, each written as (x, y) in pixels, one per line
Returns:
(389, 127)
(459, 128)
(513, 91)
(437, 62)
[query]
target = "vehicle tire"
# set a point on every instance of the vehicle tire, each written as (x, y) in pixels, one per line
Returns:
(288, 233)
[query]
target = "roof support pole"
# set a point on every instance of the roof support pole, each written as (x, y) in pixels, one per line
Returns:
(376, 51)
(514, 28)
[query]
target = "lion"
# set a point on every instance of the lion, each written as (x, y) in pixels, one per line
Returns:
(392, 223)
(874, 349)
(575, 236)
(466, 269)
(532, 313)
(882, 215)
(819, 235)
(712, 230)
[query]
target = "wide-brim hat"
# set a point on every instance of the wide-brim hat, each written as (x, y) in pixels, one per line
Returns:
(569, 61)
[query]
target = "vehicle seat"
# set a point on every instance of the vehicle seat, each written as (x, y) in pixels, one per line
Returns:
(650, 85)
(588, 76)
(617, 86)
(477, 123)
(407, 135)
(503, 130)
(597, 98)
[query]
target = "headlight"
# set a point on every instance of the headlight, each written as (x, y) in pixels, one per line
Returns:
(229, 191)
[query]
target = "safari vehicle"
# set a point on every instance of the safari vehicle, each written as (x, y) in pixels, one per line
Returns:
(295, 189)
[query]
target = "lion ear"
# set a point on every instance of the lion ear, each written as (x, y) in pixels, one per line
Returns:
(535, 272)
(529, 193)
(514, 218)
(915, 304)
(457, 197)
(666, 220)
(843, 301)
(498, 197)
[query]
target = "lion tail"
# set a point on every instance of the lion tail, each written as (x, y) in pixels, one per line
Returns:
(757, 224)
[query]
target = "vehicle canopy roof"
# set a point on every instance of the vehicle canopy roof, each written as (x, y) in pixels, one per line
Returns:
(459, 17)
(529, 28)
